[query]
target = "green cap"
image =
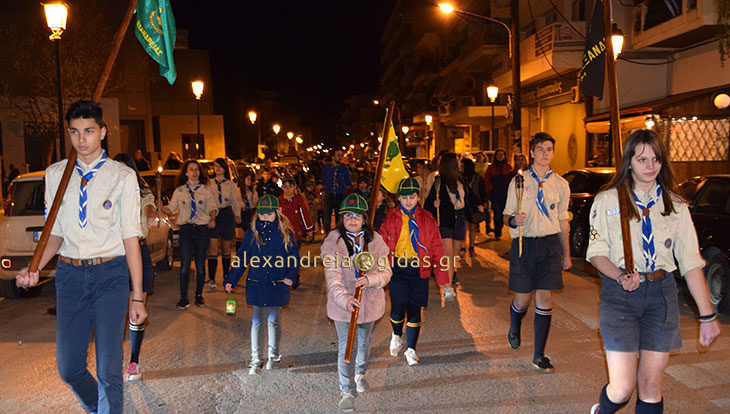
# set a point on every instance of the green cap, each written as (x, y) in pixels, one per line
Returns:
(288, 179)
(354, 203)
(408, 186)
(267, 204)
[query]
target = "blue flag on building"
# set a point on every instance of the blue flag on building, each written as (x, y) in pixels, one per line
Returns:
(155, 29)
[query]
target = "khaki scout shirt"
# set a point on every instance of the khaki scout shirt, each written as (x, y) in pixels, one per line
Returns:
(112, 210)
(557, 195)
(206, 200)
(230, 195)
(674, 235)
(148, 199)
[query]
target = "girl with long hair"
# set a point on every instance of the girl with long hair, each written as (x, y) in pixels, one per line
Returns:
(271, 239)
(198, 206)
(229, 214)
(446, 201)
(478, 203)
(639, 316)
(351, 236)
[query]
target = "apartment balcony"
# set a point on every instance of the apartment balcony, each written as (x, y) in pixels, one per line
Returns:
(556, 46)
(664, 27)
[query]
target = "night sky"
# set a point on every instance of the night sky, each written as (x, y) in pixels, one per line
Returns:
(315, 54)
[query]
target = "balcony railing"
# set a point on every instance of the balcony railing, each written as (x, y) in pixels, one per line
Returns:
(674, 23)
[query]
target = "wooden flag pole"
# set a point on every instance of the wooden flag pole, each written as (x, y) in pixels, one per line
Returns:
(616, 135)
(371, 216)
(58, 198)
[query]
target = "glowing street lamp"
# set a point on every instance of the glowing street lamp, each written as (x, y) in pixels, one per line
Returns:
(448, 8)
(617, 40)
(300, 140)
(198, 89)
(405, 129)
(252, 116)
(56, 16)
(276, 129)
(429, 120)
(290, 135)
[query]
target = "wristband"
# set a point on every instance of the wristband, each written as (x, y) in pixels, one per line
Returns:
(511, 222)
(137, 300)
(618, 280)
(708, 318)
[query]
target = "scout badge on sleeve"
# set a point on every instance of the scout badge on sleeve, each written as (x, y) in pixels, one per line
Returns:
(520, 187)
(230, 305)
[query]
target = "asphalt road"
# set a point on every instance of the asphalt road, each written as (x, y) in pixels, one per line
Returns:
(195, 361)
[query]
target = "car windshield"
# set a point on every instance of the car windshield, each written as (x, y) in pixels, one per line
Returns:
(28, 199)
(581, 182)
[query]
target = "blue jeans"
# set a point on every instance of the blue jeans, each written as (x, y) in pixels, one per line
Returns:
(361, 350)
(194, 240)
(92, 298)
(272, 314)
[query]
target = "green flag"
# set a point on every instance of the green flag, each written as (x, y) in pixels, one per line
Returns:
(155, 29)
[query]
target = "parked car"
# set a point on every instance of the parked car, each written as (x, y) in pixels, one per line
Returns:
(21, 227)
(584, 184)
(709, 198)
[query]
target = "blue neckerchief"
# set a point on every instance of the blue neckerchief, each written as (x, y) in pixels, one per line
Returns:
(356, 245)
(647, 235)
(193, 207)
(413, 228)
(540, 195)
(85, 178)
(220, 189)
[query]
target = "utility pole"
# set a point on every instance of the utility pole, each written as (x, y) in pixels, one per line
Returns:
(514, 8)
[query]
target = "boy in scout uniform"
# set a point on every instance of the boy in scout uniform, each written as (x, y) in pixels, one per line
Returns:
(96, 236)
(545, 251)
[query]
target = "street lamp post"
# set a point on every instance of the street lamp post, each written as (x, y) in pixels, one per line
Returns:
(198, 92)
(429, 121)
(252, 115)
(56, 16)
(492, 92)
(514, 54)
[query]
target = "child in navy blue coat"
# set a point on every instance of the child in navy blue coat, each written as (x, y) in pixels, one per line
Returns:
(270, 253)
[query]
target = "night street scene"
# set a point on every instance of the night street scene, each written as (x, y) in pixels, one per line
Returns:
(404, 206)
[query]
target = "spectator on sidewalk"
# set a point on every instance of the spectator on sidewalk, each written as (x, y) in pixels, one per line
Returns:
(496, 180)
(336, 180)
(173, 161)
(266, 184)
(479, 203)
(141, 163)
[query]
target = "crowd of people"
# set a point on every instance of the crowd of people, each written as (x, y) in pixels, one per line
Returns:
(104, 270)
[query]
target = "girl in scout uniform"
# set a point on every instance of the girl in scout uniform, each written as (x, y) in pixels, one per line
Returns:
(352, 236)
(271, 255)
(229, 214)
(147, 219)
(411, 233)
(96, 236)
(639, 314)
(250, 198)
(545, 252)
(197, 206)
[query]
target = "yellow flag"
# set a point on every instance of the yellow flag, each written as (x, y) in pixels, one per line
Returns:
(393, 169)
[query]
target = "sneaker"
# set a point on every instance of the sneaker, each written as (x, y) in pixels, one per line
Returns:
(543, 364)
(361, 382)
(212, 284)
(454, 280)
(472, 253)
(255, 367)
(462, 252)
(272, 362)
(411, 356)
(184, 303)
(199, 300)
(449, 294)
(514, 340)
(132, 372)
(396, 344)
(347, 403)
(594, 409)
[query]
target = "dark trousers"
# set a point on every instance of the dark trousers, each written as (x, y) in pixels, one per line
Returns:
(194, 240)
(498, 207)
(331, 203)
(92, 298)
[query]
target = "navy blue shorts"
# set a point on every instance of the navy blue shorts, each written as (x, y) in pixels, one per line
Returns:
(148, 271)
(459, 230)
(407, 286)
(225, 225)
(646, 318)
(541, 264)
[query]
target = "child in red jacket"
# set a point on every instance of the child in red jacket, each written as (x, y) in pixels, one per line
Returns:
(413, 238)
(295, 209)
